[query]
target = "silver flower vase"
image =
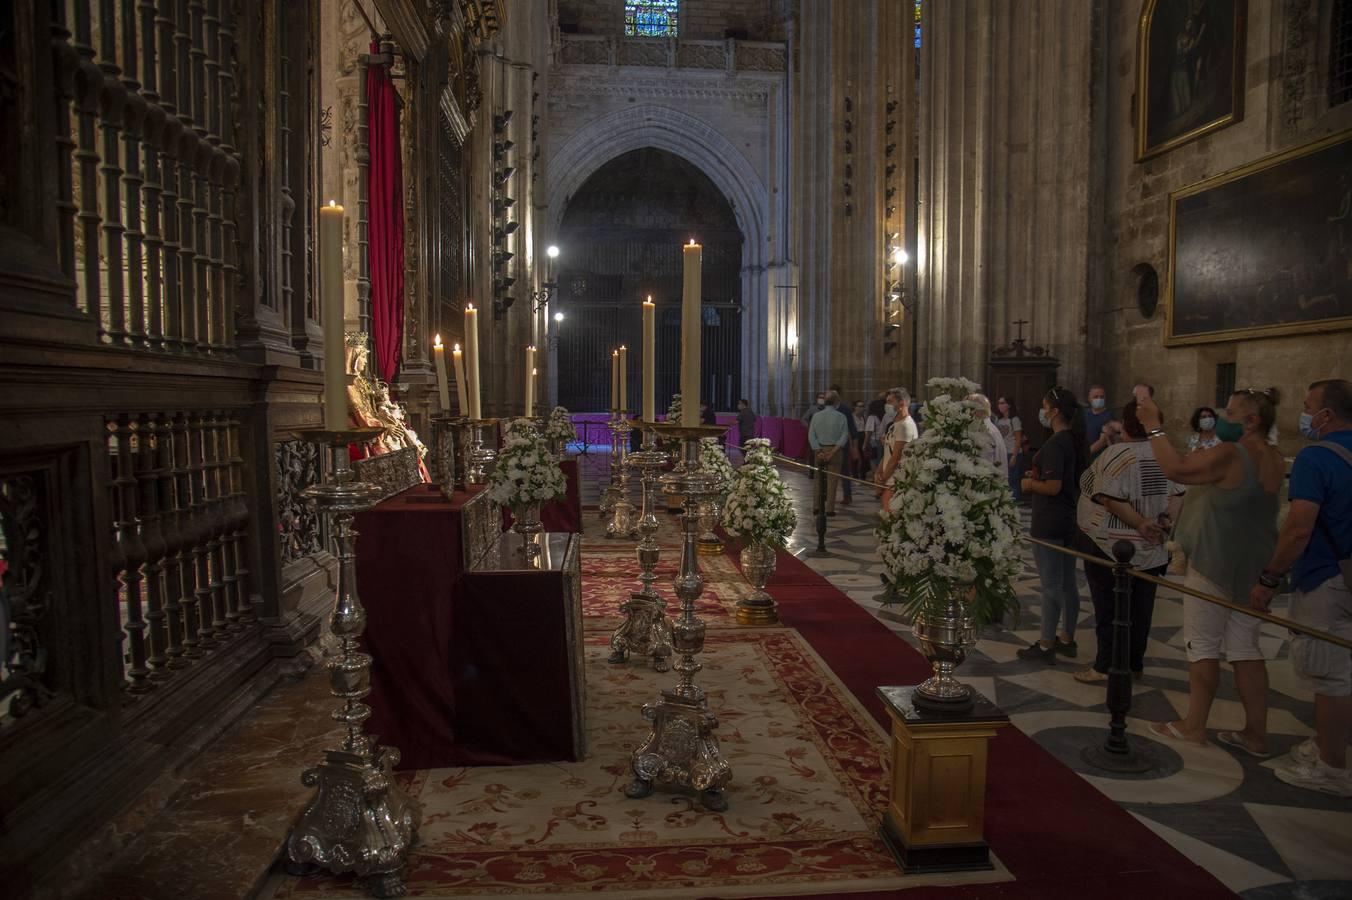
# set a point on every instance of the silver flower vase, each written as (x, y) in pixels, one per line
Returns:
(945, 634)
(526, 522)
(709, 511)
(758, 564)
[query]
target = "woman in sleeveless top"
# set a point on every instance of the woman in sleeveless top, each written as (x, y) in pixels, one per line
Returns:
(1228, 528)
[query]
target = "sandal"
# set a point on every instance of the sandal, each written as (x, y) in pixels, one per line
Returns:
(1090, 675)
(1168, 731)
(1233, 739)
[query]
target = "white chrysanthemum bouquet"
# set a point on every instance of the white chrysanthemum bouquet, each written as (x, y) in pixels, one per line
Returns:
(758, 508)
(674, 410)
(526, 471)
(951, 526)
(713, 460)
(559, 427)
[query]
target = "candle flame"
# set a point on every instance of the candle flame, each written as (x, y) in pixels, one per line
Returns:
(692, 242)
(457, 349)
(436, 342)
(534, 371)
(333, 203)
(469, 306)
(650, 299)
(615, 353)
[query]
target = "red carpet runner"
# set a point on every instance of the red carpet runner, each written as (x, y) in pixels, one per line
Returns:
(1056, 833)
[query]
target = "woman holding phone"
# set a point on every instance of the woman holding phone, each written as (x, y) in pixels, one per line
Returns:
(1227, 528)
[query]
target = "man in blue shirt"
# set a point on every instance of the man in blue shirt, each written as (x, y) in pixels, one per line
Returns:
(1096, 416)
(827, 435)
(1315, 539)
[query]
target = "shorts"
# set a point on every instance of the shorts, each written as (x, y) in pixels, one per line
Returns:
(1214, 632)
(1323, 667)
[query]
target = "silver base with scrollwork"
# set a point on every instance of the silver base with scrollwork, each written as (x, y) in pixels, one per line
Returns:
(623, 523)
(646, 630)
(681, 751)
(359, 819)
(482, 451)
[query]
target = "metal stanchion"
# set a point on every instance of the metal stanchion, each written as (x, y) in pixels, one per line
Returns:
(1116, 754)
(821, 476)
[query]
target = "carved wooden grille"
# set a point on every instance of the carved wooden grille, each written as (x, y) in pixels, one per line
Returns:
(180, 568)
(148, 169)
(299, 525)
(24, 597)
(450, 171)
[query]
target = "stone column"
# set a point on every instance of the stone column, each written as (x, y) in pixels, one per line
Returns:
(1005, 181)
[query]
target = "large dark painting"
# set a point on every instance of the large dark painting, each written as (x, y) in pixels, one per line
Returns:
(1189, 71)
(1265, 249)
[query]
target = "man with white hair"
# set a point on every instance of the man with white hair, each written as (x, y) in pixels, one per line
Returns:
(995, 451)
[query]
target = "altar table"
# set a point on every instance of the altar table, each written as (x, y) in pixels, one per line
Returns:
(425, 617)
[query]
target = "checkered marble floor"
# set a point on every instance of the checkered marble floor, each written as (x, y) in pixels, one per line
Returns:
(1220, 807)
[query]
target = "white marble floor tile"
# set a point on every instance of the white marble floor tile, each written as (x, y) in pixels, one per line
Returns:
(1235, 872)
(1315, 844)
(1228, 715)
(1059, 682)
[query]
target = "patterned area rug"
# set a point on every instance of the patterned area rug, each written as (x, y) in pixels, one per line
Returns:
(608, 578)
(810, 786)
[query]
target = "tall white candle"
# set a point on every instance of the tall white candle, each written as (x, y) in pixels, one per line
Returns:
(624, 379)
(649, 360)
(472, 360)
(614, 380)
(458, 359)
(443, 389)
(530, 382)
(331, 311)
(690, 337)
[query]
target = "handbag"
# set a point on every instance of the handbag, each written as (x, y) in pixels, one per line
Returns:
(1344, 563)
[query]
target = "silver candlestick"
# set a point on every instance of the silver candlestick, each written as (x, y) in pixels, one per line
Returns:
(359, 819)
(622, 522)
(482, 451)
(681, 751)
(611, 492)
(645, 631)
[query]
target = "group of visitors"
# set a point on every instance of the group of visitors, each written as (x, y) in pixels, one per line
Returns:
(1109, 475)
(859, 441)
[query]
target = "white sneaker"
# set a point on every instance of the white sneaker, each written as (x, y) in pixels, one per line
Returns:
(1305, 753)
(1317, 776)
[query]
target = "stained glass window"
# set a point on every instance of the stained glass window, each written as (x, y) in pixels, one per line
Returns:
(650, 18)
(917, 24)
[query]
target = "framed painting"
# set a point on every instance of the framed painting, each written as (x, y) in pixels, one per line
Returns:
(1189, 71)
(1265, 249)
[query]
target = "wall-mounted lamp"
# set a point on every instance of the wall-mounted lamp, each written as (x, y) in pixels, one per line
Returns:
(792, 343)
(900, 257)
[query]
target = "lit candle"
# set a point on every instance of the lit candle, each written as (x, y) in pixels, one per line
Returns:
(331, 310)
(690, 337)
(443, 390)
(624, 378)
(530, 382)
(458, 358)
(472, 360)
(649, 360)
(614, 380)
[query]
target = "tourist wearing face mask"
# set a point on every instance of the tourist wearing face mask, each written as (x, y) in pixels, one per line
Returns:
(1011, 429)
(1054, 483)
(1203, 424)
(1315, 548)
(1096, 416)
(901, 432)
(1228, 528)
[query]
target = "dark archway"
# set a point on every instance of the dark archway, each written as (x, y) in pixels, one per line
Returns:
(621, 237)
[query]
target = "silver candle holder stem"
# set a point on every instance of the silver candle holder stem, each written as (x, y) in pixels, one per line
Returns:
(622, 522)
(610, 494)
(483, 450)
(359, 819)
(645, 631)
(681, 751)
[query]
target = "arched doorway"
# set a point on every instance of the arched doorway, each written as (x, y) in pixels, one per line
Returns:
(621, 235)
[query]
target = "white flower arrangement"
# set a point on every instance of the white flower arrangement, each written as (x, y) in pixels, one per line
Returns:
(713, 460)
(951, 526)
(758, 508)
(674, 410)
(526, 471)
(559, 427)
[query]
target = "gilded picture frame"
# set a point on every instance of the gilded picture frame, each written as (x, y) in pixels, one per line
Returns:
(1263, 250)
(1189, 71)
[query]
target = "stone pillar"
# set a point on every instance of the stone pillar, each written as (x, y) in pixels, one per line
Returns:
(1005, 181)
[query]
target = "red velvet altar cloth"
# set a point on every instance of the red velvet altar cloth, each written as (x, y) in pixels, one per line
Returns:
(409, 559)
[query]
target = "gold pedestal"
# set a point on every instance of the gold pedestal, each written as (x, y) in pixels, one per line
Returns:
(937, 809)
(757, 615)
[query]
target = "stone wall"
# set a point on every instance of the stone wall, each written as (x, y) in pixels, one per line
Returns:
(1285, 106)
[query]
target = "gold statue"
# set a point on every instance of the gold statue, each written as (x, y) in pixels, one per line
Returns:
(370, 406)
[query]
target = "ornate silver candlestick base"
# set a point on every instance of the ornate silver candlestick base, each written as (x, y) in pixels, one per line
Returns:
(645, 630)
(359, 819)
(483, 450)
(448, 462)
(622, 523)
(610, 493)
(681, 751)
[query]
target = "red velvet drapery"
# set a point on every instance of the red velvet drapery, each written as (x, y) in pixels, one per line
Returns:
(386, 202)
